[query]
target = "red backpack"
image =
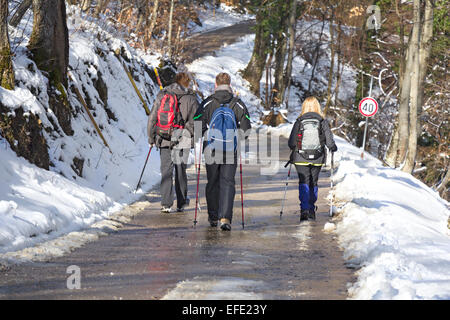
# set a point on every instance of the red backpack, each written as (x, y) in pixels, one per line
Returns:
(169, 116)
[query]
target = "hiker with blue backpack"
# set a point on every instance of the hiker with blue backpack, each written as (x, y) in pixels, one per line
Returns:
(225, 120)
(170, 120)
(309, 136)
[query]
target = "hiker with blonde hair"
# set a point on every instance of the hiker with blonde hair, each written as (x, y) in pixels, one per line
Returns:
(309, 136)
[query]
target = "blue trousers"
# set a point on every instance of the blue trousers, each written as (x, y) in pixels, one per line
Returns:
(308, 189)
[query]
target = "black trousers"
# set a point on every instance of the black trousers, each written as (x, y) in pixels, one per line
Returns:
(308, 189)
(220, 190)
(308, 174)
(167, 168)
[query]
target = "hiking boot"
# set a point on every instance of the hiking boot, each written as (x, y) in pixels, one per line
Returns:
(181, 209)
(312, 213)
(304, 215)
(166, 209)
(212, 223)
(225, 224)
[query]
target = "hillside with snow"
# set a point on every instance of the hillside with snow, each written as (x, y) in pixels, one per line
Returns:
(38, 205)
(392, 228)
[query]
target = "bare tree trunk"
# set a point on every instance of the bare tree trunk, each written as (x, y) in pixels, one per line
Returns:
(101, 6)
(86, 5)
(255, 67)
(421, 46)
(340, 65)
(280, 53)
(20, 12)
(441, 188)
(396, 157)
(142, 13)
(331, 72)
(49, 40)
(316, 56)
(169, 39)
(291, 30)
(280, 56)
(391, 154)
(414, 92)
(49, 44)
(153, 19)
(6, 68)
(424, 53)
(268, 82)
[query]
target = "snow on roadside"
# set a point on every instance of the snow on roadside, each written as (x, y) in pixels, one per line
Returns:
(393, 227)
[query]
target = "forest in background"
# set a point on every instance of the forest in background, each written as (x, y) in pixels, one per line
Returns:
(402, 45)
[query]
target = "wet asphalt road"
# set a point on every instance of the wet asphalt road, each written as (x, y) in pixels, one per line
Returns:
(162, 256)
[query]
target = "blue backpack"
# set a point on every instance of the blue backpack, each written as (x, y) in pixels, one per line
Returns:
(222, 133)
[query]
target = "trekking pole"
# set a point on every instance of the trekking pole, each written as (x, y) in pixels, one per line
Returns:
(331, 187)
(198, 180)
(242, 192)
(286, 186)
(142, 173)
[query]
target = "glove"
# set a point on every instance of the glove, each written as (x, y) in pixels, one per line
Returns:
(333, 148)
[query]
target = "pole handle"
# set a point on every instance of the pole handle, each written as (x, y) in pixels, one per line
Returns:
(287, 163)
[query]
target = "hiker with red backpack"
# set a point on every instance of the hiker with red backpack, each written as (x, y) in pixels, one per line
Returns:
(222, 117)
(169, 123)
(309, 136)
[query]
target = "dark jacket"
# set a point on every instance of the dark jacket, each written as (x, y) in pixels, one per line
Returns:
(325, 136)
(188, 104)
(221, 96)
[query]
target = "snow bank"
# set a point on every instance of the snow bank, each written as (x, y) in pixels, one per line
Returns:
(393, 227)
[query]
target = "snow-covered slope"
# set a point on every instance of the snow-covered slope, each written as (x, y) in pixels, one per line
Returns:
(38, 205)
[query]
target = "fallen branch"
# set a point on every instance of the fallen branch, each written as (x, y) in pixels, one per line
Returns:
(80, 97)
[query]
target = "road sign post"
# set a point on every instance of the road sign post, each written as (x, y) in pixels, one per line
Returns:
(368, 107)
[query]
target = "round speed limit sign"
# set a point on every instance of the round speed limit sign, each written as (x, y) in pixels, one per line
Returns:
(368, 107)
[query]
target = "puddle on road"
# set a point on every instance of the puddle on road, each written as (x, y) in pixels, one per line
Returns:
(226, 288)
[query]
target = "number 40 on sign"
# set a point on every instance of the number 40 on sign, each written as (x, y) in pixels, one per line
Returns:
(368, 107)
